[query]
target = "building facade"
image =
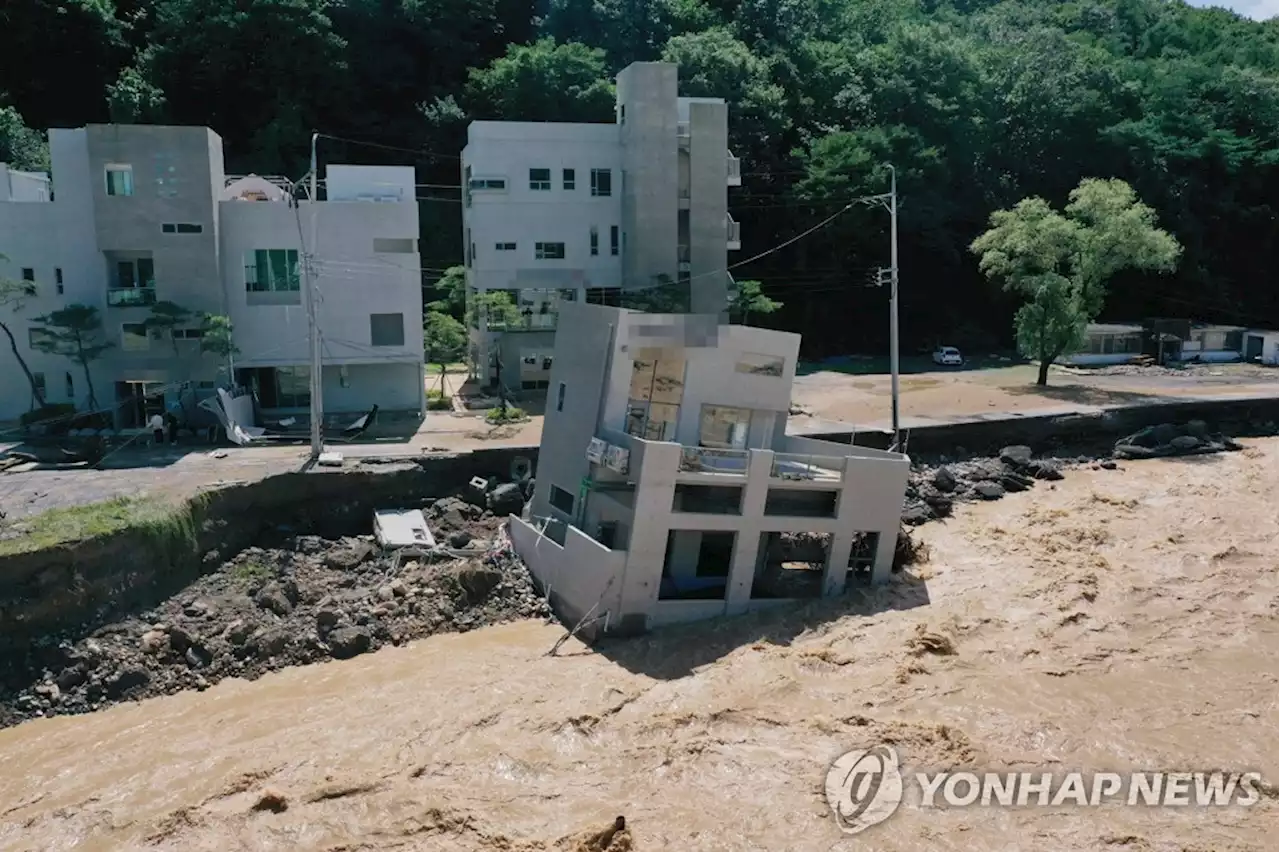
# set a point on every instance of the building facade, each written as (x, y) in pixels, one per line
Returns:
(668, 490)
(140, 215)
(562, 212)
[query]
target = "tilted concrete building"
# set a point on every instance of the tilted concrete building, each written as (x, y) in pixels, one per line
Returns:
(560, 212)
(135, 215)
(668, 490)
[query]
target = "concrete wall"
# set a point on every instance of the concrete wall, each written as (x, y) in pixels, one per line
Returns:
(647, 95)
(708, 206)
(581, 575)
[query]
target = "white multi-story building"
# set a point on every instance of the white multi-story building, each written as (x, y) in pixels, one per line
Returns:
(562, 212)
(136, 215)
(668, 490)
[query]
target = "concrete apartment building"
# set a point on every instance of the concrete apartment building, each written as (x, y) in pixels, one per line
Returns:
(563, 212)
(134, 215)
(668, 490)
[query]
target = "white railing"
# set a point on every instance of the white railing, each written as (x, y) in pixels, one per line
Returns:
(735, 170)
(807, 467)
(734, 232)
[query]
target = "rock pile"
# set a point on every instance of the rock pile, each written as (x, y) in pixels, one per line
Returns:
(308, 600)
(933, 489)
(1168, 439)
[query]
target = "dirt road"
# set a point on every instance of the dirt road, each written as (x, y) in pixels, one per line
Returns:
(1115, 620)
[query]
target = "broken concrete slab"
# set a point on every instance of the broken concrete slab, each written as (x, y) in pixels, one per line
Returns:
(402, 528)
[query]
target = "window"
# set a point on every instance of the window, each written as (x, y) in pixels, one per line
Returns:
(754, 364)
(601, 182)
(723, 427)
(548, 251)
(561, 500)
(119, 180)
(293, 387)
(613, 240)
(386, 329)
(595, 241)
(560, 397)
(487, 183)
(540, 179)
(394, 245)
(504, 246)
(570, 182)
(187, 333)
(28, 274)
(37, 379)
(611, 296)
(657, 388)
(272, 271)
(69, 386)
(182, 228)
(134, 274)
(133, 337)
(57, 277)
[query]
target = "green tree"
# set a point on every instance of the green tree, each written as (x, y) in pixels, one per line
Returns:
(1061, 263)
(13, 297)
(543, 81)
(452, 287)
(217, 338)
(444, 341)
(165, 317)
(21, 147)
(496, 306)
(75, 333)
(750, 299)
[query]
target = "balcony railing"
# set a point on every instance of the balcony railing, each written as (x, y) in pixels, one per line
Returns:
(129, 297)
(709, 460)
(734, 233)
(735, 171)
(526, 322)
(805, 467)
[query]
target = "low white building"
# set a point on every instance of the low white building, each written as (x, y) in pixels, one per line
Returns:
(562, 212)
(668, 490)
(135, 215)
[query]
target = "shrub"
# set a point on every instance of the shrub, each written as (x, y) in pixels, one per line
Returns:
(495, 416)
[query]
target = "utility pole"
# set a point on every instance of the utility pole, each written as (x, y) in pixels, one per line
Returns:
(890, 276)
(313, 327)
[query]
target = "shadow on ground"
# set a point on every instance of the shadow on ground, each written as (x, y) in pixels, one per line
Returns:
(676, 651)
(1083, 395)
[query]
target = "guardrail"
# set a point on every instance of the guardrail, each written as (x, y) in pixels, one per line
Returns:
(807, 467)
(711, 460)
(527, 322)
(128, 297)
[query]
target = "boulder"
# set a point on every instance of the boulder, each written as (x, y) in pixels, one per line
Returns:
(1126, 450)
(270, 643)
(179, 639)
(475, 580)
(1045, 469)
(71, 677)
(1017, 455)
(154, 642)
(1013, 483)
(327, 619)
(198, 656)
(237, 632)
(459, 538)
(347, 642)
(506, 499)
(940, 505)
(944, 480)
(917, 515)
(989, 490)
(127, 680)
(1183, 443)
(1164, 433)
(346, 558)
(272, 597)
(1197, 428)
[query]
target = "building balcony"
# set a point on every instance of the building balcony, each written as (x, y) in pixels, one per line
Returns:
(806, 467)
(526, 322)
(734, 234)
(683, 135)
(684, 199)
(735, 170)
(710, 460)
(131, 297)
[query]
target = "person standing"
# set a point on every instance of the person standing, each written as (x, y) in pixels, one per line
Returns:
(171, 423)
(156, 423)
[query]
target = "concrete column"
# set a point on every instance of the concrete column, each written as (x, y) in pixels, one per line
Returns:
(884, 556)
(871, 501)
(746, 547)
(655, 490)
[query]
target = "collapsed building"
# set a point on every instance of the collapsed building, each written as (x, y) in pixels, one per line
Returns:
(668, 490)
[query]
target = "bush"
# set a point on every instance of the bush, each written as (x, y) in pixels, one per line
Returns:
(437, 401)
(51, 411)
(495, 416)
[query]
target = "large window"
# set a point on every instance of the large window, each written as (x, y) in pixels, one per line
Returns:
(595, 241)
(570, 182)
(548, 251)
(119, 179)
(723, 427)
(386, 329)
(272, 271)
(561, 500)
(601, 182)
(293, 387)
(657, 388)
(133, 337)
(540, 179)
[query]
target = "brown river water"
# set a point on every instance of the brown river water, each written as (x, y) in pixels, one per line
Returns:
(1118, 620)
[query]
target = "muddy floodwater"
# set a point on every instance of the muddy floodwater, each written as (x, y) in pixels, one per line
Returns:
(1116, 620)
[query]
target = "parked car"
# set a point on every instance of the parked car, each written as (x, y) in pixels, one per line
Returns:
(948, 356)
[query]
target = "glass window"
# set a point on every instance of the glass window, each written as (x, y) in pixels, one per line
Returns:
(595, 241)
(504, 246)
(293, 386)
(548, 251)
(754, 364)
(570, 182)
(28, 273)
(613, 239)
(119, 180)
(723, 427)
(272, 270)
(561, 500)
(601, 182)
(133, 337)
(386, 329)
(657, 387)
(540, 179)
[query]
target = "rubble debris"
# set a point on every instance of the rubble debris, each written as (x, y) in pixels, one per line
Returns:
(296, 600)
(1168, 439)
(402, 528)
